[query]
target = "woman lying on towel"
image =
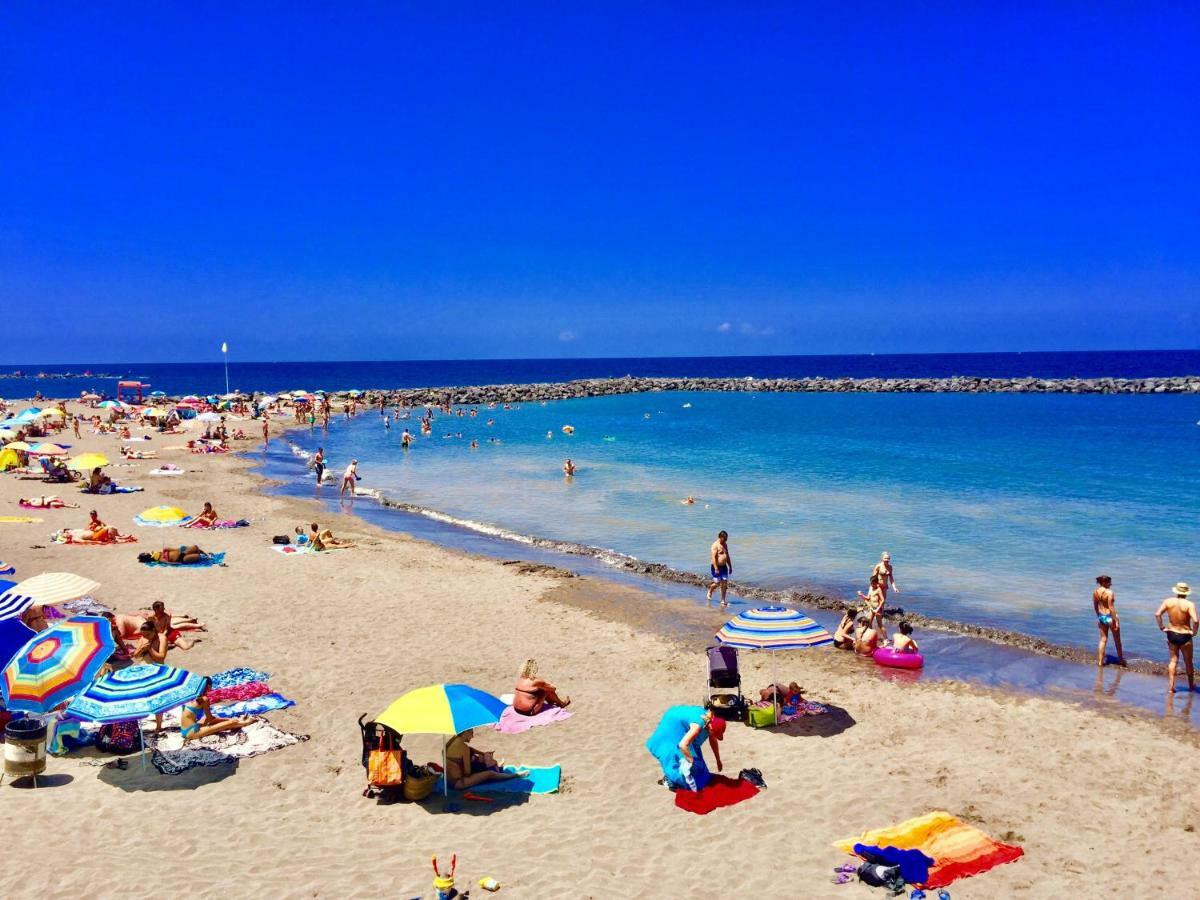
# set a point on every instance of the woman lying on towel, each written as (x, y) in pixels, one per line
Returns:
(101, 533)
(130, 453)
(176, 556)
(678, 743)
(196, 719)
(534, 694)
(50, 502)
(465, 767)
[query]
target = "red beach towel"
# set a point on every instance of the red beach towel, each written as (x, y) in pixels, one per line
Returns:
(720, 791)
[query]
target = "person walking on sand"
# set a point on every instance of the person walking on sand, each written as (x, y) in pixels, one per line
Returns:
(319, 464)
(266, 432)
(1182, 625)
(349, 477)
(720, 564)
(883, 571)
(1104, 602)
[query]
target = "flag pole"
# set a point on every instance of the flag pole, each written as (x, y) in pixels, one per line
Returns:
(225, 353)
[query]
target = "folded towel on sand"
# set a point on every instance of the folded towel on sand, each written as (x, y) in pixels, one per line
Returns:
(959, 850)
(512, 722)
(232, 678)
(85, 606)
(213, 559)
(538, 781)
(171, 755)
(720, 791)
(164, 470)
(255, 706)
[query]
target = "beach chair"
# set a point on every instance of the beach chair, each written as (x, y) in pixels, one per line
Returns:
(724, 685)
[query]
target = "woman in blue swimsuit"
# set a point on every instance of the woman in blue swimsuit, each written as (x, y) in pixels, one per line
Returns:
(197, 721)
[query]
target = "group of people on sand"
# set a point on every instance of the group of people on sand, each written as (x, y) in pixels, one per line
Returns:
(863, 629)
(1180, 627)
(320, 538)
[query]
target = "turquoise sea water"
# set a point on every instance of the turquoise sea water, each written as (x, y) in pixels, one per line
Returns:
(997, 509)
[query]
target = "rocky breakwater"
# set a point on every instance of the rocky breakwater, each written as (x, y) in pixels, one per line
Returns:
(960, 384)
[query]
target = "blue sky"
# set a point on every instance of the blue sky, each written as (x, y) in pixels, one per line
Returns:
(358, 181)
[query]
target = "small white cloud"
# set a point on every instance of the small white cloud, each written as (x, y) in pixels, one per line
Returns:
(752, 331)
(724, 327)
(567, 335)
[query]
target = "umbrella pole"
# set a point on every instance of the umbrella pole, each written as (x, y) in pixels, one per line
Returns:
(445, 774)
(774, 687)
(142, 738)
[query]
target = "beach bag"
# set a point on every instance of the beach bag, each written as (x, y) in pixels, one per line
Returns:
(419, 785)
(281, 539)
(385, 768)
(119, 737)
(761, 716)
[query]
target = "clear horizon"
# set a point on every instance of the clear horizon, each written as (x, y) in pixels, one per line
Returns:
(396, 182)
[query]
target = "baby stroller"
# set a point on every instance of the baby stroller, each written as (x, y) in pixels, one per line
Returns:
(374, 736)
(724, 689)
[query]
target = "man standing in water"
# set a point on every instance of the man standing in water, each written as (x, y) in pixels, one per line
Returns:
(883, 572)
(1181, 627)
(1104, 602)
(720, 564)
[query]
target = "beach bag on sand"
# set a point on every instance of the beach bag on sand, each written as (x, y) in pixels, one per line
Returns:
(280, 539)
(119, 737)
(419, 785)
(761, 716)
(385, 767)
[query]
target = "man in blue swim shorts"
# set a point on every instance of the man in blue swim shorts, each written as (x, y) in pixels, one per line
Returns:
(720, 564)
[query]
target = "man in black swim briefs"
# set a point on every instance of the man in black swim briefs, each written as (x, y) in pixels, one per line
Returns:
(1182, 625)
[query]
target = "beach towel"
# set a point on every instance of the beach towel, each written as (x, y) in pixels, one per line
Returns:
(165, 470)
(256, 706)
(213, 559)
(117, 489)
(539, 781)
(720, 791)
(292, 550)
(512, 722)
(85, 606)
(959, 850)
(83, 536)
(914, 865)
(171, 756)
(234, 677)
(226, 523)
(18, 520)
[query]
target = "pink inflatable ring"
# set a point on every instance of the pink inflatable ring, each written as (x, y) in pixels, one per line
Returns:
(886, 656)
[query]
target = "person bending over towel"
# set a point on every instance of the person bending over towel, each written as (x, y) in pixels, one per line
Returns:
(196, 719)
(678, 743)
(534, 694)
(175, 556)
(466, 767)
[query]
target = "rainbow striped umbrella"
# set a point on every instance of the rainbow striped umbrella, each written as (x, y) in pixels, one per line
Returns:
(57, 664)
(136, 692)
(773, 628)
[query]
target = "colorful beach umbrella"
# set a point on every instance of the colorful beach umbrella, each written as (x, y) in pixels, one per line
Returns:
(208, 417)
(135, 692)
(18, 445)
(161, 516)
(90, 397)
(51, 413)
(46, 589)
(111, 404)
(57, 664)
(85, 462)
(47, 449)
(442, 709)
(773, 628)
(158, 393)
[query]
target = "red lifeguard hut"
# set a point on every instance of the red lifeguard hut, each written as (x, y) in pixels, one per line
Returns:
(131, 391)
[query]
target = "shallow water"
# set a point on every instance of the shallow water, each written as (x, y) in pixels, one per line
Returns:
(998, 509)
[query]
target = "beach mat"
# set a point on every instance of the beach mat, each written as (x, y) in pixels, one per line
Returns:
(721, 791)
(254, 706)
(959, 850)
(512, 722)
(539, 781)
(215, 559)
(18, 520)
(291, 550)
(171, 756)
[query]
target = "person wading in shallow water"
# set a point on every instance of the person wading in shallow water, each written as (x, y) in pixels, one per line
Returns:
(1104, 602)
(1181, 627)
(720, 564)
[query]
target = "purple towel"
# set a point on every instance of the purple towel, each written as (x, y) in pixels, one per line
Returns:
(512, 722)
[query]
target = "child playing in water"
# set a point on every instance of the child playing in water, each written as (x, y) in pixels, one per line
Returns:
(903, 642)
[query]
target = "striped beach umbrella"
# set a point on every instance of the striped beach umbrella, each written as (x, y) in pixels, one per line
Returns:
(773, 628)
(46, 589)
(135, 692)
(57, 664)
(110, 404)
(161, 517)
(47, 449)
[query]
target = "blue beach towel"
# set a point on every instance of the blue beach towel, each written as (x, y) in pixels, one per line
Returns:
(539, 781)
(914, 865)
(240, 675)
(255, 707)
(213, 559)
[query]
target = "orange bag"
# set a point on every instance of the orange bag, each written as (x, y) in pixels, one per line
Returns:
(385, 768)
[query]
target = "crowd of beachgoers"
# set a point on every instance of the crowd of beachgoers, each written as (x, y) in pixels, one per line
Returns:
(56, 466)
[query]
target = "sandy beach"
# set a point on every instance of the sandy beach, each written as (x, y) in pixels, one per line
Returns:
(1092, 796)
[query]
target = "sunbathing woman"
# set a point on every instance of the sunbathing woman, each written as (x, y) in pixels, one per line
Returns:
(176, 556)
(207, 517)
(151, 646)
(99, 483)
(534, 694)
(196, 719)
(843, 637)
(323, 539)
(50, 502)
(462, 763)
(99, 531)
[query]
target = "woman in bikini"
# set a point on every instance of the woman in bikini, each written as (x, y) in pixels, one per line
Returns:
(151, 647)
(175, 556)
(207, 517)
(196, 719)
(873, 607)
(533, 694)
(462, 764)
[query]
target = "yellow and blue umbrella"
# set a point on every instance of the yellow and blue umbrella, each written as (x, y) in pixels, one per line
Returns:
(135, 692)
(773, 628)
(87, 461)
(57, 664)
(442, 709)
(162, 516)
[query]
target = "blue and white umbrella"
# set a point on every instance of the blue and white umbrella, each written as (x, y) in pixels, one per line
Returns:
(13, 636)
(136, 692)
(46, 589)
